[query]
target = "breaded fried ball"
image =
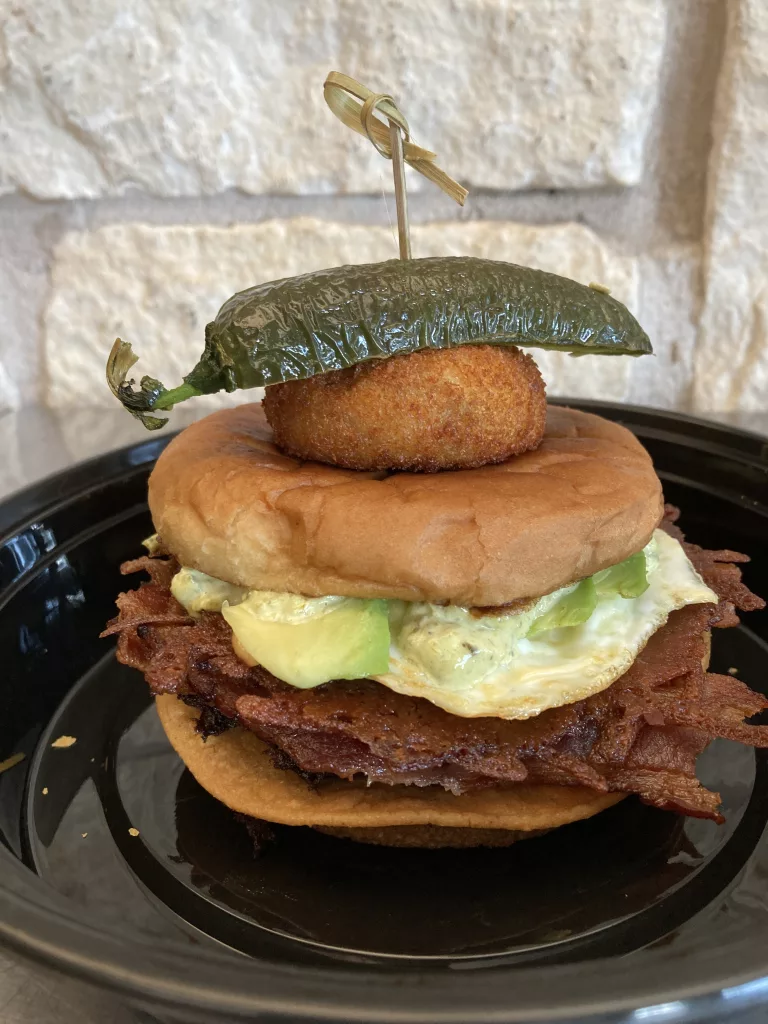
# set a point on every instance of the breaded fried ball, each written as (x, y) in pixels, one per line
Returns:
(431, 410)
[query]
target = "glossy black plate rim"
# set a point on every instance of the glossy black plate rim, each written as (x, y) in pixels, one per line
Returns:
(37, 921)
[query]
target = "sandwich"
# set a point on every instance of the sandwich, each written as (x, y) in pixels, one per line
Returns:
(404, 600)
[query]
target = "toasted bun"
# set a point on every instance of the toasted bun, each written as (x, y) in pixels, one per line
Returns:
(226, 501)
(236, 769)
(431, 837)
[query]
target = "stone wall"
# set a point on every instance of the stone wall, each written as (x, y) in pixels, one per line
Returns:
(155, 157)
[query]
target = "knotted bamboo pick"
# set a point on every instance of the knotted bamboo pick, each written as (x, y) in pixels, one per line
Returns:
(342, 94)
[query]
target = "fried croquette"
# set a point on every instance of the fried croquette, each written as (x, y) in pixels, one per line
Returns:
(432, 410)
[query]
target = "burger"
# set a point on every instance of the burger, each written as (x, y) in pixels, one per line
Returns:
(403, 600)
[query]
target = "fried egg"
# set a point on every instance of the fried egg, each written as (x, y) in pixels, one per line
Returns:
(475, 667)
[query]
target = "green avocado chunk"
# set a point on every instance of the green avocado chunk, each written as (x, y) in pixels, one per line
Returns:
(627, 579)
(571, 610)
(348, 642)
(333, 319)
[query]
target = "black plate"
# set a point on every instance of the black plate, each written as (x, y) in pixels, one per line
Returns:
(636, 914)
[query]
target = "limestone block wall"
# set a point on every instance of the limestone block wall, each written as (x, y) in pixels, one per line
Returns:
(155, 157)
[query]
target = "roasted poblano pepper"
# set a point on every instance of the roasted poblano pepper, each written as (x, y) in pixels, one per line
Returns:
(332, 319)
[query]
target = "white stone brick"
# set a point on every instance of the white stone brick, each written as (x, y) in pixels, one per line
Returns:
(157, 287)
(9, 393)
(23, 285)
(731, 367)
(670, 300)
(12, 474)
(197, 97)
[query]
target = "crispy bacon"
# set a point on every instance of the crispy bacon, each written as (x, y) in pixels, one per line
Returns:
(641, 735)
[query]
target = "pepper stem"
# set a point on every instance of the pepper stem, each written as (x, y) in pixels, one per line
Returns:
(168, 399)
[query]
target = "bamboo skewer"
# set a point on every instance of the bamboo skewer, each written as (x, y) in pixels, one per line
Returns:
(401, 194)
(392, 140)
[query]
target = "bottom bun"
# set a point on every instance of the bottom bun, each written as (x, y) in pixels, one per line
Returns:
(431, 837)
(236, 768)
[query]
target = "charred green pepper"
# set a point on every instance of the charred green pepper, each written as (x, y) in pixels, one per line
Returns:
(332, 319)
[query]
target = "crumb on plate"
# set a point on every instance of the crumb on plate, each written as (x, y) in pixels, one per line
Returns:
(64, 741)
(11, 762)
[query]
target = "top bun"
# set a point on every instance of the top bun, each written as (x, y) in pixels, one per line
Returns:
(225, 500)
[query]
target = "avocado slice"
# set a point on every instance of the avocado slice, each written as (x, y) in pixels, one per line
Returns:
(351, 641)
(571, 610)
(627, 579)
